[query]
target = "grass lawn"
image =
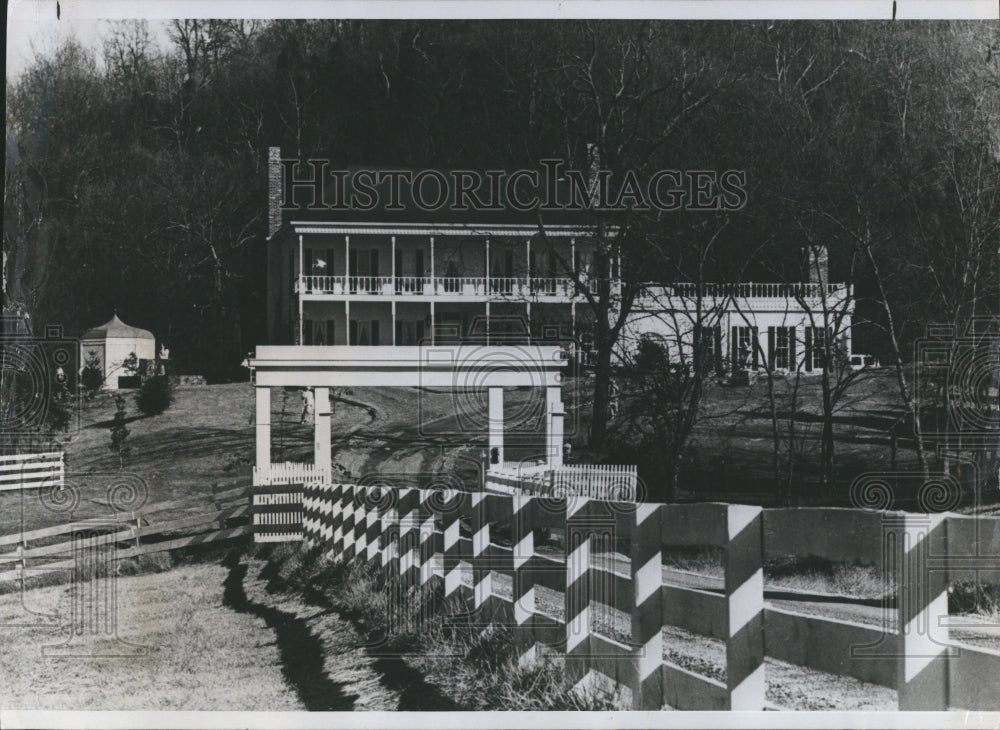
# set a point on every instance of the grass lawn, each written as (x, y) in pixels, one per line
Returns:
(201, 654)
(421, 436)
(206, 438)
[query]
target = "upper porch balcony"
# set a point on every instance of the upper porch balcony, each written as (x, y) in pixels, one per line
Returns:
(746, 296)
(467, 287)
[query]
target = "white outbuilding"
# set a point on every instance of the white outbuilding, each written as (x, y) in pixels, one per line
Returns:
(113, 343)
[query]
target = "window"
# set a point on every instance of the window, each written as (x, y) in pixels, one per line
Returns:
(409, 332)
(781, 345)
(364, 332)
(709, 353)
(816, 339)
(744, 348)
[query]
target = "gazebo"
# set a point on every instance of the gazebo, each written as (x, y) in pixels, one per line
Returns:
(113, 342)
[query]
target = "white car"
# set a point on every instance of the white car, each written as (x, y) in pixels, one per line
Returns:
(860, 361)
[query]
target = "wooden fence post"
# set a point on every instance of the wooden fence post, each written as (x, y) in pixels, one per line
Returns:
(522, 541)
(347, 528)
(337, 520)
(647, 608)
(360, 523)
(744, 586)
(482, 577)
(577, 588)
(328, 501)
(409, 537)
(430, 550)
(389, 541)
(453, 553)
(373, 528)
(921, 600)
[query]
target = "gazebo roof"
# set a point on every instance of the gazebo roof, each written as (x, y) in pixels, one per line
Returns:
(114, 328)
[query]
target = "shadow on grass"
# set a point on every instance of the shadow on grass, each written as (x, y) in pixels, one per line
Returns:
(393, 671)
(300, 650)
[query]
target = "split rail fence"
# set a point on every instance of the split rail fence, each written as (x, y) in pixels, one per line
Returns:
(29, 471)
(154, 528)
(611, 557)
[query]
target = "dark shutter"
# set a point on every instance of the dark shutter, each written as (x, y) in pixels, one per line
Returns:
(353, 262)
(734, 349)
(418, 331)
(792, 363)
(718, 350)
(354, 332)
(399, 263)
(308, 331)
(809, 349)
(770, 347)
(756, 347)
(399, 333)
(375, 325)
(418, 262)
(330, 332)
(374, 261)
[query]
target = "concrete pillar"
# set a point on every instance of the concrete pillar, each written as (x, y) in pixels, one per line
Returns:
(554, 426)
(263, 427)
(321, 430)
(496, 425)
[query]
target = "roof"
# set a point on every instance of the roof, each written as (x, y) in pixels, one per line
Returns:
(114, 328)
(378, 205)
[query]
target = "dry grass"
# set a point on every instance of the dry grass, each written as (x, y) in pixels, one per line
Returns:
(476, 669)
(809, 574)
(201, 655)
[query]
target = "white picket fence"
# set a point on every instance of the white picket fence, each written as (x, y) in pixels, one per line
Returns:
(289, 472)
(612, 482)
(27, 471)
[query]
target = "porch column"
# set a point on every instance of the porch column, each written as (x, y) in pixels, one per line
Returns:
(433, 324)
(263, 421)
(554, 426)
(300, 289)
(496, 425)
(347, 290)
(321, 430)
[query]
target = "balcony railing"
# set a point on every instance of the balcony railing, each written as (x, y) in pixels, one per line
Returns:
(458, 286)
(750, 290)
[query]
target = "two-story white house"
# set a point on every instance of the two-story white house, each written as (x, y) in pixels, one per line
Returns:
(747, 326)
(410, 276)
(387, 277)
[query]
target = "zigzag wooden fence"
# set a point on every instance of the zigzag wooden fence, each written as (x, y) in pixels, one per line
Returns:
(131, 534)
(611, 557)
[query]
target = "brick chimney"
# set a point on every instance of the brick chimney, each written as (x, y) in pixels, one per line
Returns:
(817, 260)
(273, 190)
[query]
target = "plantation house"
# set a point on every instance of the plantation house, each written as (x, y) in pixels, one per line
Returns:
(404, 277)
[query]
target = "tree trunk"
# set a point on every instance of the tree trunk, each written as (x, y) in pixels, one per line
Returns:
(602, 384)
(827, 441)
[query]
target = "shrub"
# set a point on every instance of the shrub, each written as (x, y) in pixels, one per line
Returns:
(119, 432)
(155, 395)
(92, 376)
